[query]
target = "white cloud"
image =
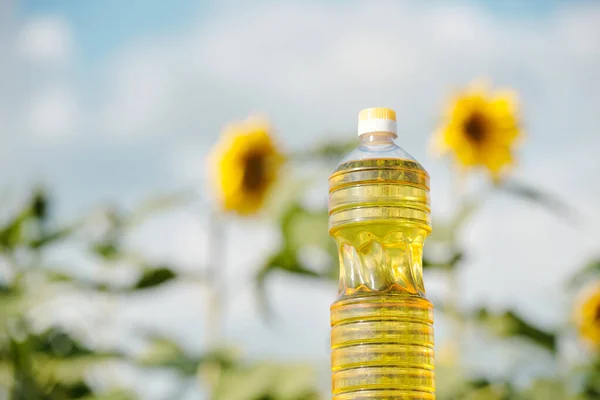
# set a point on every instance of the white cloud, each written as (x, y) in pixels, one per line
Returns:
(185, 235)
(52, 112)
(139, 95)
(38, 97)
(579, 28)
(46, 40)
(296, 60)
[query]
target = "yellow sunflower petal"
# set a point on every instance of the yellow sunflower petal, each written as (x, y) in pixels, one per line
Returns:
(244, 165)
(587, 315)
(481, 128)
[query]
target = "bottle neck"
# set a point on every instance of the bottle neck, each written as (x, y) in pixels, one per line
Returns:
(377, 138)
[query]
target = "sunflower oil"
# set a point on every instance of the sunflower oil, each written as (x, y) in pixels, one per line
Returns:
(381, 322)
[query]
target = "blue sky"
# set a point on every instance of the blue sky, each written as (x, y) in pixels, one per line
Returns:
(103, 27)
(113, 103)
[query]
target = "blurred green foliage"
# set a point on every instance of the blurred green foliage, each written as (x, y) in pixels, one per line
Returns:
(52, 362)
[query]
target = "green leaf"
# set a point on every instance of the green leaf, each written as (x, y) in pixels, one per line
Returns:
(11, 307)
(510, 324)
(165, 353)
(109, 246)
(537, 196)
(42, 372)
(583, 276)
(153, 277)
(52, 237)
(108, 249)
(11, 234)
(39, 204)
(454, 385)
(36, 209)
(295, 382)
(5, 288)
(267, 381)
(112, 395)
(67, 373)
(243, 384)
(450, 264)
(489, 392)
(56, 276)
(591, 380)
(450, 382)
(546, 389)
(25, 386)
(287, 218)
(75, 390)
(286, 260)
(310, 228)
(57, 343)
(301, 228)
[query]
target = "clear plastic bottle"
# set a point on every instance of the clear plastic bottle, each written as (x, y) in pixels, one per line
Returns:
(381, 322)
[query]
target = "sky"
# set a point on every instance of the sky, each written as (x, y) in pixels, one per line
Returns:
(102, 102)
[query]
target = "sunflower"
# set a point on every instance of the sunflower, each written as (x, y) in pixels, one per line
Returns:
(245, 163)
(587, 315)
(481, 129)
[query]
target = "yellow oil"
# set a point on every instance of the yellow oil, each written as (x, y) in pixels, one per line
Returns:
(381, 322)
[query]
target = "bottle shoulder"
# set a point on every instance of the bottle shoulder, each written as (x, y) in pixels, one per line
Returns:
(384, 150)
(373, 157)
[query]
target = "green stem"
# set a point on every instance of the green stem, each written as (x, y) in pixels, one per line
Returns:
(215, 293)
(215, 284)
(453, 299)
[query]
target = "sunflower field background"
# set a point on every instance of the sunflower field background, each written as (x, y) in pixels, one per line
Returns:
(163, 229)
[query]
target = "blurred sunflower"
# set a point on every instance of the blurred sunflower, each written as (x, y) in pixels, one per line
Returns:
(244, 164)
(587, 315)
(481, 129)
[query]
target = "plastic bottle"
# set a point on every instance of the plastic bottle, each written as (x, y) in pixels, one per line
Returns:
(381, 322)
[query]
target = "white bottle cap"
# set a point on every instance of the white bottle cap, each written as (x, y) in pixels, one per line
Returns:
(377, 119)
